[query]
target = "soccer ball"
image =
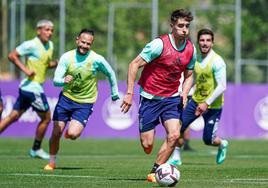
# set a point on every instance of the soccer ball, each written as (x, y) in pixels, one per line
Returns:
(167, 175)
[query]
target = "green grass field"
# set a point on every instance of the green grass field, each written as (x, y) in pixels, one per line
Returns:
(121, 163)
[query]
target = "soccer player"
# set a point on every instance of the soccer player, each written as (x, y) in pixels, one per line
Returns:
(207, 100)
(77, 74)
(163, 60)
(186, 135)
(38, 53)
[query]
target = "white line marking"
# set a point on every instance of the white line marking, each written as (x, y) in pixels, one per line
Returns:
(231, 181)
(79, 156)
(125, 179)
(234, 181)
(51, 175)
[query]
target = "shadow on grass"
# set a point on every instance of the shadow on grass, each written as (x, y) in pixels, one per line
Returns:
(69, 168)
(78, 168)
(134, 180)
(126, 179)
(65, 168)
(201, 164)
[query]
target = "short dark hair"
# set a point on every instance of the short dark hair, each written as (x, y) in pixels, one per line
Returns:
(88, 31)
(181, 13)
(205, 31)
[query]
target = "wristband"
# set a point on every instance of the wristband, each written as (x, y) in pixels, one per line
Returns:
(130, 94)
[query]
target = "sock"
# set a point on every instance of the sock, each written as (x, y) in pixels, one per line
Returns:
(223, 143)
(36, 145)
(154, 167)
(52, 159)
(176, 154)
(186, 143)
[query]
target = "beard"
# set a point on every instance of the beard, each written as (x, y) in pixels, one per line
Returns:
(82, 51)
(205, 50)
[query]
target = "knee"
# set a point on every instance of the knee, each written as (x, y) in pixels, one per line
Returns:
(173, 137)
(14, 116)
(73, 136)
(46, 120)
(45, 117)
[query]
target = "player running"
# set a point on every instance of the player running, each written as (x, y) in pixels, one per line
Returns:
(77, 74)
(163, 60)
(207, 100)
(38, 53)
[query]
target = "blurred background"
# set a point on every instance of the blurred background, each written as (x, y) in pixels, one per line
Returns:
(122, 28)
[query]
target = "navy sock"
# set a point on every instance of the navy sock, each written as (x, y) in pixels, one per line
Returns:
(36, 145)
(154, 167)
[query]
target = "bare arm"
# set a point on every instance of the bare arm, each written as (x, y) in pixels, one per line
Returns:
(137, 63)
(53, 63)
(187, 85)
(134, 66)
(14, 57)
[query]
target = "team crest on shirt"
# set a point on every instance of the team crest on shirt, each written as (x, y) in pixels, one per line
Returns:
(178, 61)
(202, 78)
(172, 75)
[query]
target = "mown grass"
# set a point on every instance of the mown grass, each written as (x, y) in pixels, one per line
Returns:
(122, 163)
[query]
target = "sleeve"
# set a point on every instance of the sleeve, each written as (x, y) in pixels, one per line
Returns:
(61, 71)
(219, 72)
(105, 68)
(152, 50)
(25, 48)
(193, 60)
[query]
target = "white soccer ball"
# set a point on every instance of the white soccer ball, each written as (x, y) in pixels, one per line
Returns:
(167, 175)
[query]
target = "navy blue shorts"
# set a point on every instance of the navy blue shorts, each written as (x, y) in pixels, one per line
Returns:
(152, 111)
(67, 109)
(26, 99)
(211, 119)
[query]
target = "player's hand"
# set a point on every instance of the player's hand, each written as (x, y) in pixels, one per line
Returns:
(127, 102)
(53, 64)
(68, 79)
(201, 108)
(30, 73)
